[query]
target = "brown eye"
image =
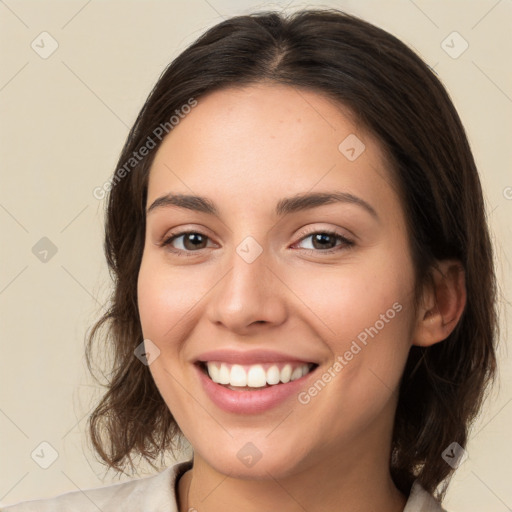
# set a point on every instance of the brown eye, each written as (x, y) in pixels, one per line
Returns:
(326, 241)
(323, 241)
(191, 241)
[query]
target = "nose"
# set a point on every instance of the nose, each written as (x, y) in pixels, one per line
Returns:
(248, 295)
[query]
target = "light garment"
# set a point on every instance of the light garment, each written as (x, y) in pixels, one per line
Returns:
(157, 493)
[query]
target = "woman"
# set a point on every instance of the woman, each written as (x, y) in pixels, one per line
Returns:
(304, 288)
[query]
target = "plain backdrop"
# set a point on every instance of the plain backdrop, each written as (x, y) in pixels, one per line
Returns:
(64, 119)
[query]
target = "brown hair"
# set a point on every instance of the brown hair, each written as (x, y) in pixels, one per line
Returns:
(396, 97)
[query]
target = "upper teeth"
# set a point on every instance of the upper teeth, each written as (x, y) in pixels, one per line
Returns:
(255, 376)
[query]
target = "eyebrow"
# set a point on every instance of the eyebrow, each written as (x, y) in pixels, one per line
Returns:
(284, 206)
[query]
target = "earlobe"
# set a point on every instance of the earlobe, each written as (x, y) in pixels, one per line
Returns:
(442, 305)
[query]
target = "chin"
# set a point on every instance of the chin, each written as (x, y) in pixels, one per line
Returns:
(254, 460)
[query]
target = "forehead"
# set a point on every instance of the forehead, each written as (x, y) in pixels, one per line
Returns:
(251, 143)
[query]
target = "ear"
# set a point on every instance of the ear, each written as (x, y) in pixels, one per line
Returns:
(442, 304)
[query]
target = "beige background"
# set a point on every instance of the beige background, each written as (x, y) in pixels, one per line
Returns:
(63, 122)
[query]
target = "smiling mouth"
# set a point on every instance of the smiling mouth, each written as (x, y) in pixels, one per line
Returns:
(253, 377)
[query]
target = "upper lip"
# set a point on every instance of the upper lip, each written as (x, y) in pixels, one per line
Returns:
(248, 356)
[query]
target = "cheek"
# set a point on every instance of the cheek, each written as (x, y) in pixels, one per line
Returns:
(166, 297)
(363, 313)
(353, 296)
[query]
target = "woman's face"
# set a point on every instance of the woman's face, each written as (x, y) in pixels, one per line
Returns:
(261, 291)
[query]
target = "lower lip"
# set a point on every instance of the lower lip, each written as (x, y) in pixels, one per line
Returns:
(250, 402)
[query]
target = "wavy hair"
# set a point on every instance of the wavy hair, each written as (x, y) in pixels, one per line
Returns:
(400, 100)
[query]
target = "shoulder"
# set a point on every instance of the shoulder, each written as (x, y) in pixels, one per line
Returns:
(151, 494)
(421, 501)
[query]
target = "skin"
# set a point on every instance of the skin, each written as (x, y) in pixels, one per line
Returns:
(245, 149)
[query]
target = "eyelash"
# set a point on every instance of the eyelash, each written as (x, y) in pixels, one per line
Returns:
(346, 243)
